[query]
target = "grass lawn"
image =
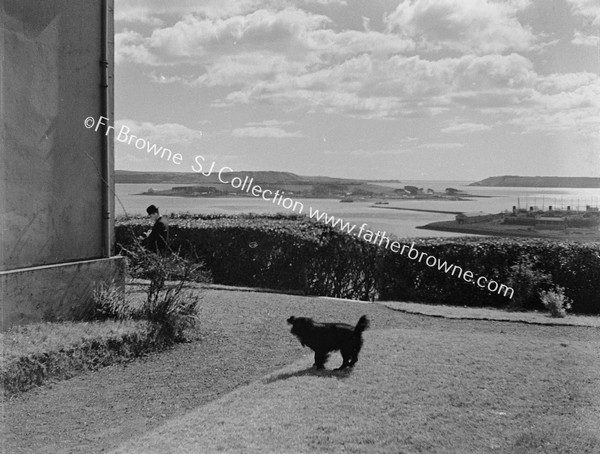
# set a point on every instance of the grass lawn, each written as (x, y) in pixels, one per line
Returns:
(422, 384)
(40, 352)
(416, 390)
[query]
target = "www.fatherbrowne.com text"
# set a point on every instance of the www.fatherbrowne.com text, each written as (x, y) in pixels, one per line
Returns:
(246, 184)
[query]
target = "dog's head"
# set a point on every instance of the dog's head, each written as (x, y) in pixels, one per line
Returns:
(300, 326)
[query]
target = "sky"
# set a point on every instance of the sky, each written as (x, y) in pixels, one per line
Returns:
(377, 89)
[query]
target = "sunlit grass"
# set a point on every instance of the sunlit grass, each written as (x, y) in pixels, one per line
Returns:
(35, 353)
(40, 338)
(411, 391)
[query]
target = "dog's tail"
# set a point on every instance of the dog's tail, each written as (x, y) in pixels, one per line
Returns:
(363, 324)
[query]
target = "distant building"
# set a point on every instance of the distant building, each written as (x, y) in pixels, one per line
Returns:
(550, 223)
(56, 176)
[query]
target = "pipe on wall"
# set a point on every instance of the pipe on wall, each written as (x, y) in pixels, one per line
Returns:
(107, 171)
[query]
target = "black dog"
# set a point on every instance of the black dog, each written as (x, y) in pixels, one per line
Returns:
(324, 338)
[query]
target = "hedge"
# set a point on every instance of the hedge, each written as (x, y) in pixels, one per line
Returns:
(293, 253)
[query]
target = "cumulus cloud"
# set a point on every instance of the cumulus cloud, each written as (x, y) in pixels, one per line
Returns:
(326, 2)
(560, 103)
(269, 123)
(589, 9)
(288, 35)
(152, 11)
(441, 146)
(129, 46)
(474, 26)
(373, 87)
(161, 134)
(272, 52)
(266, 29)
(466, 128)
(364, 153)
(265, 132)
(581, 39)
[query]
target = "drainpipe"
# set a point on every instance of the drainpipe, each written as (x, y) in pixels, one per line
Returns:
(107, 171)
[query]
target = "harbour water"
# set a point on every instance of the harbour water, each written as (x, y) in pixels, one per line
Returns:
(400, 223)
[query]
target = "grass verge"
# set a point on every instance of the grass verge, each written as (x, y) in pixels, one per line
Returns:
(37, 353)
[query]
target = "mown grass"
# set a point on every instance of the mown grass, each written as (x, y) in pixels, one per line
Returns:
(243, 338)
(36, 353)
(415, 390)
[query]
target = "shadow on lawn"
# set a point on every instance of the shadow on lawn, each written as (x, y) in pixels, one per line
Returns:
(339, 374)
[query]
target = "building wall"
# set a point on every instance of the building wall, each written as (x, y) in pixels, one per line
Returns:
(51, 164)
(55, 217)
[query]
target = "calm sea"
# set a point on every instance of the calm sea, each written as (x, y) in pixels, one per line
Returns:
(399, 223)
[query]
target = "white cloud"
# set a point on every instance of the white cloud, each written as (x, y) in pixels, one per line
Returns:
(251, 67)
(161, 134)
(269, 123)
(148, 11)
(129, 46)
(326, 2)
(285, 56)
(466, 128)
(375, 87)
(265, 132)
(289, 35)
(441, 146)
(474, 26)
(361, 152)
(580, 39)
(561, 103)
(589, 9)
(267, 29)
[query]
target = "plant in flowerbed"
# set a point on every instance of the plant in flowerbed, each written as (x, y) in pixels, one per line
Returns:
(170, 306)
(556, 302)
(119, 327)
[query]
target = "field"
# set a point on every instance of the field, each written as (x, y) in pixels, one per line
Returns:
(423, 384)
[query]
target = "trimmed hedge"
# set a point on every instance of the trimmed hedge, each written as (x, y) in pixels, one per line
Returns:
(293, 253)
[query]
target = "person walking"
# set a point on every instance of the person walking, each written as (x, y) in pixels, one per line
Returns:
(158, 238)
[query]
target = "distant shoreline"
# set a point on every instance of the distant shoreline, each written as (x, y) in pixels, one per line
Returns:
(513, 181)
(510, 231)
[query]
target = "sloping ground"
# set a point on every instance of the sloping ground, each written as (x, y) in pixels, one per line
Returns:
(412, 391)
(482, 313)
(244, 337)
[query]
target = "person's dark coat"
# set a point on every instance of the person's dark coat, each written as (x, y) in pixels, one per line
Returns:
(158, 240)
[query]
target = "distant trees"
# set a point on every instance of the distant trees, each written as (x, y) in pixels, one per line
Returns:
(452, 191)
(324, 189)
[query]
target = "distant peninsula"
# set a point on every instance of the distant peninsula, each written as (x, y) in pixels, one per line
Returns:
(235, 184)
(266, 176)
(539, 182)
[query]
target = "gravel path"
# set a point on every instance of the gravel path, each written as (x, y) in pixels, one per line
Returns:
(243, 336)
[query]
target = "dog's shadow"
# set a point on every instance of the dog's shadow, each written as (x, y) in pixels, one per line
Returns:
(311, 371)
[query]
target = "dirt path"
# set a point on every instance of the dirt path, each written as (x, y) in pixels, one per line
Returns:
(243, 337)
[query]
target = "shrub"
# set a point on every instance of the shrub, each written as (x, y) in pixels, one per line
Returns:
(556, 302)
(110, 302)
(527, 282)
(171, 307)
